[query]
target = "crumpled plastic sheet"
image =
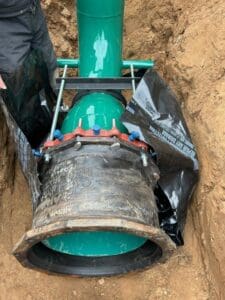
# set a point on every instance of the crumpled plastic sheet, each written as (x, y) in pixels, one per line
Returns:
(25, 156)
(156, 115)
(28, 105)
(30, 99)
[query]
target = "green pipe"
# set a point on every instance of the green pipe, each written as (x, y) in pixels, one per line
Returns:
(138, 64)
(95, 109)
(100, 27)
(126, 64)
(71, 63)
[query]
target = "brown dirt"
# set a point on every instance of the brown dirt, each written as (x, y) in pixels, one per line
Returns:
(187, 39)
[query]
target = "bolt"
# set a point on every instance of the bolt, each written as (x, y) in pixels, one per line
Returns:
(37, 153)
(96, 129)
(113, 123)
(115, 147)
(80, 123)
(58, 135)
(64, 108)
(47, 158)
(144, 158)
(77, 146)
(156, 176)
(134, 136)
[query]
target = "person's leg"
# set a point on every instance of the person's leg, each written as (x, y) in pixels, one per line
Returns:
(25, 73)
(41, 41)
(15, 42)
(19, 35)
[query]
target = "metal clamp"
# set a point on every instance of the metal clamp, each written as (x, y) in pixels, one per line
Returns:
(58, 104)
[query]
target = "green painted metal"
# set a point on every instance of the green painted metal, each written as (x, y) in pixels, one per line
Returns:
(94, 243)
(70, 62)
(100, 25)
(95, 109)
(137, 64)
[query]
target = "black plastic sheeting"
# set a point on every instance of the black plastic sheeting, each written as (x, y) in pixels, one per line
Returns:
(155, 113)
(30, 99)
(25, 155)
(28, 105)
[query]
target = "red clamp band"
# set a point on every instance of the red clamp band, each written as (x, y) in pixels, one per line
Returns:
(103, 133)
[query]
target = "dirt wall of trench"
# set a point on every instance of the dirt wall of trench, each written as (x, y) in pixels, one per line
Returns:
(187, 40)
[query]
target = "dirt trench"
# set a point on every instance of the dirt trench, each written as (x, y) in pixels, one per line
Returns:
(187, 40)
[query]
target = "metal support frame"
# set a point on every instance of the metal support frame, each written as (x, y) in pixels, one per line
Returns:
(58, 104)
(132, 78)
(137, 64)
(78, 83)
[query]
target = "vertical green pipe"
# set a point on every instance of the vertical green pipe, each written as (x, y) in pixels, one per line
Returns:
(100, 27)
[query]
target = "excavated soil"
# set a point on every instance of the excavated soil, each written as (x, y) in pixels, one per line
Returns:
(187, 40)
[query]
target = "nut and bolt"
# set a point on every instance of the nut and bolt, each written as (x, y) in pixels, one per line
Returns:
(115, 147)
(156, 176)
(77, 146)
(144, 158)
(47, 157)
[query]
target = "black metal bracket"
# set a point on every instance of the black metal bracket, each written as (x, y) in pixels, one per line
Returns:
(80, 83)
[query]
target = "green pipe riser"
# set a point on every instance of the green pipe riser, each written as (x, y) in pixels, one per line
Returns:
(100, 27)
